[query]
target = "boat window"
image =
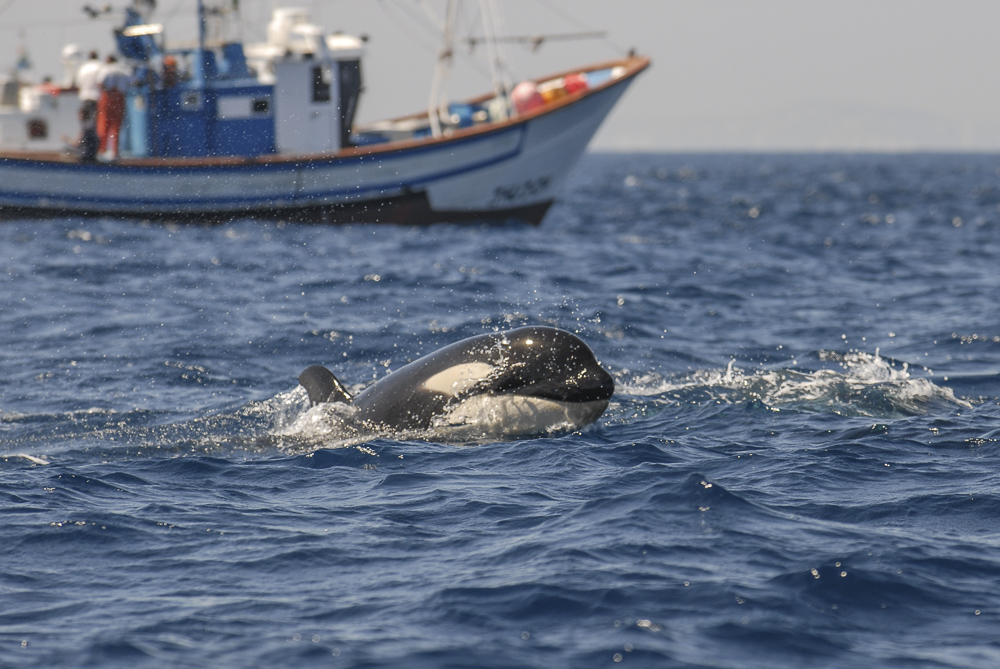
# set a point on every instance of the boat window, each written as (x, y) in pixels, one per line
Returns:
(38, 129)
(234, 107)
(321, 84)
(10, 91)
(261, 106)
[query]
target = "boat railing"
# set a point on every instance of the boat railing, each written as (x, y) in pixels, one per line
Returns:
(528, 96)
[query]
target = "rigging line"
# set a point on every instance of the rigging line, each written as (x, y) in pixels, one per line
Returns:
(405, 29)
(475, 19)
(580, 24)
(471, 21)
(468, 57)
(418, 18)
(504, 65)
(569, 17)
(388, 8)
(430, 14)
(476, 64)
(538, 39)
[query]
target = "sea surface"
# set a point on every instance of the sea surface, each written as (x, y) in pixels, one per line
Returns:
(799, 467)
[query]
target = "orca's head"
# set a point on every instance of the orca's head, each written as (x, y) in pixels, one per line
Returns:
(531, 362)
(550, 364)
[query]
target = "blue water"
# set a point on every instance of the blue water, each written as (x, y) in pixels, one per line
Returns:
(799, 467)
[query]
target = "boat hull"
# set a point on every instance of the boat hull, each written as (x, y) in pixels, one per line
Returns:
(512, 170)
(405, 209)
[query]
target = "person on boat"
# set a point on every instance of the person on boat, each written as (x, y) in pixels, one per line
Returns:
(170, 75)
(111, 106)
(87, 81)
(89, 90)
(89, 143)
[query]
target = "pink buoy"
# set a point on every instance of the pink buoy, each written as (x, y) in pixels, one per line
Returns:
(526, 97)
(574, 83)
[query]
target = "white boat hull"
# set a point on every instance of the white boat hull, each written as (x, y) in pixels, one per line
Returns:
(508, 170)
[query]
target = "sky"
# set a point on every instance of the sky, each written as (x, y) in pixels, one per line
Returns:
(727, 75)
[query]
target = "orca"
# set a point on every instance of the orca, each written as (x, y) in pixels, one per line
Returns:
(525, 381)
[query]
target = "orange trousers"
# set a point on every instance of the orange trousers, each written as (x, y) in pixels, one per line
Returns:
(110, 113)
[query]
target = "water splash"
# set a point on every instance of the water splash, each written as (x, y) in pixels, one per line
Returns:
(865, 385)
(855, 383)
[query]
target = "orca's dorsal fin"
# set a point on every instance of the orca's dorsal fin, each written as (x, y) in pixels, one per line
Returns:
(323, 386)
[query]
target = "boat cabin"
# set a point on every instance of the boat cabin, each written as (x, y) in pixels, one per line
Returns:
(297, 93)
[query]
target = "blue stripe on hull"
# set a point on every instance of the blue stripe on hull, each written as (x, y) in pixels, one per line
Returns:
(290, 199)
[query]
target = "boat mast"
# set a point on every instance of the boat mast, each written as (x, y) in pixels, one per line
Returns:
(496, 53)
(437, 106)
(201, 25)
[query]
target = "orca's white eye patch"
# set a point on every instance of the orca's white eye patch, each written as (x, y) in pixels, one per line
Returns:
(459, 378)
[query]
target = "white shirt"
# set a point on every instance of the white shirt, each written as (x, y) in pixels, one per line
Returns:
(87, 80)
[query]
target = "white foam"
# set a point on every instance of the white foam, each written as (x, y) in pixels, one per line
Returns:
(866, 380)
(30, 458)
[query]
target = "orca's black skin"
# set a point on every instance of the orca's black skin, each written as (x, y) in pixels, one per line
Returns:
(539, 362)
(320, 382)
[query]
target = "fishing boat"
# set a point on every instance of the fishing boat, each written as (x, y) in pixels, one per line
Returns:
(221, 130)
